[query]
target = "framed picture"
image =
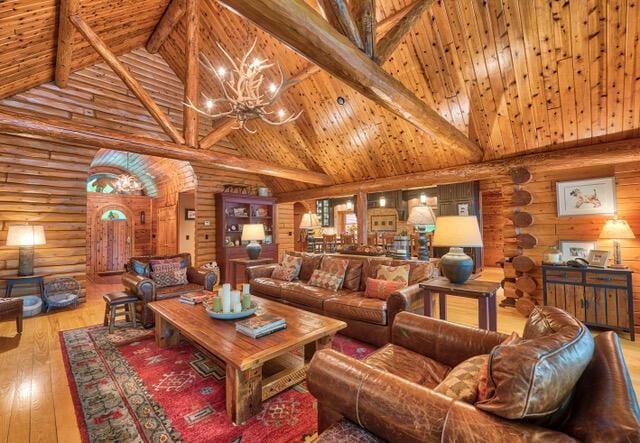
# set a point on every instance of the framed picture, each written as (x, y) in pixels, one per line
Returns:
(598, 258)
(572, 249)
(593, 196)
(189, 214)
(384, 223)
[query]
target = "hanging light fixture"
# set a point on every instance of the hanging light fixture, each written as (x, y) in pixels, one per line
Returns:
(246, 94)
(423, 198)
(349, 205)
(383, 201)
(126, 183)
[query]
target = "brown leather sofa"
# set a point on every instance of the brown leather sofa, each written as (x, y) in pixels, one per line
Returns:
(389, 395)
(368, 319)
(137, 281)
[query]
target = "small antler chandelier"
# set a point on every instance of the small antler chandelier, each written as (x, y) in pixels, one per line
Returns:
(246, 96)
(127, 184)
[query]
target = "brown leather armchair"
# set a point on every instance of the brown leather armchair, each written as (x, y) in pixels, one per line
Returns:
(137, 281)
(389, 395)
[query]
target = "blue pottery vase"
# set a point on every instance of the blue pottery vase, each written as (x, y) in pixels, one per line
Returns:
(253, 250)
(456, 265)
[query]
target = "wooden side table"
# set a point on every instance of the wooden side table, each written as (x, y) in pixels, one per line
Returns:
(483, 291)
(35, 279)
(240, 265)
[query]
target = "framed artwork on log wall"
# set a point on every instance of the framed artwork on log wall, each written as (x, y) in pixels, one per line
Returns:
(594, 196)
(572, 249)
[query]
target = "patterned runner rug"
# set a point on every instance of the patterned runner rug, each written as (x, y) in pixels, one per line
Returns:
(126, 389)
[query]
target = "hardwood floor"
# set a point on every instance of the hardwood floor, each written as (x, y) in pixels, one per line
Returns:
(35, 402)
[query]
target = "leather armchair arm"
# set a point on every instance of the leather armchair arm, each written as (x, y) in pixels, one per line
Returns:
(143, 287)
(388, 406)
(260, 271)
(440, 340)
(468, 424)
(405, 299)
(208, 279)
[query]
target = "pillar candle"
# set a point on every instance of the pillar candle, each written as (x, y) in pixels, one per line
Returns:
(237, 307)
(217, 304)
(246, 301)
(226, 302)
(246, 288)
(235, 297)
(226, 288)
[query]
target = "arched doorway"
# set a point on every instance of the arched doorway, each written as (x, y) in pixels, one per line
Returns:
(113, 239)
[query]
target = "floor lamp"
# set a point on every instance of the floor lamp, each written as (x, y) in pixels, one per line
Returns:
(420, 217)
(309, 222)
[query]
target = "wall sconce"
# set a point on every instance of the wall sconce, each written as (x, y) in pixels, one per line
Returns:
(142, 217)
(423, 198)
(349, 205)
(383, 202)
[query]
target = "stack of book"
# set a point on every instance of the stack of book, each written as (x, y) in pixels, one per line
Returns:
(193, 298)
(261, 325)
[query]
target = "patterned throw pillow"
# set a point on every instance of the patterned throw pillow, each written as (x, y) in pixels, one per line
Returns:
(289, 269)
(153, 264)
(335, 266)
(327, 280)
(381, 289)
(462, 382)
(169, 274)
(394, 273)
(483, 378)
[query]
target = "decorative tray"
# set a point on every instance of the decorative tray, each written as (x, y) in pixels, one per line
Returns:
(232, 315)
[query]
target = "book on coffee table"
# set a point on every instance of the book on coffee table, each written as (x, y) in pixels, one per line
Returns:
(193, 298)
(261, 325)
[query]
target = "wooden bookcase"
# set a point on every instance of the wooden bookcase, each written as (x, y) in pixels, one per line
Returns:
(234, 211)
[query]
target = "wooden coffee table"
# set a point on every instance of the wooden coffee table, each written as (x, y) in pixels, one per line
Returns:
(256, 369)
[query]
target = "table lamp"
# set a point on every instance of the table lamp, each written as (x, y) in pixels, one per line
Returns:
(617, 230)
(26, 237)
(252, 233)
(457, 232)
(420, 217)
(309, 222)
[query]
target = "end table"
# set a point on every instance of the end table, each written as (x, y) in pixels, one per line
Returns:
(240, 265)
(35, 279)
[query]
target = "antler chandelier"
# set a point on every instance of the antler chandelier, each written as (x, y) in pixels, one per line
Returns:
(126, 183)
(246, 96)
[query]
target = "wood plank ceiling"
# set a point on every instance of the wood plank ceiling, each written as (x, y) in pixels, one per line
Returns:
(527, 74)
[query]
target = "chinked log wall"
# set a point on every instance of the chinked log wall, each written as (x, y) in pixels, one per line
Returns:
(44, 181)
(549, 229)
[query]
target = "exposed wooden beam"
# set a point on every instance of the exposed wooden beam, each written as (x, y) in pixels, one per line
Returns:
(364, 15)
(29, 126)
(190, 116)
(125, 75)
(169, 20)
(361, 216)
(337, 13)
(65, 41)
(222, 127)
(296, 24)
(616, 152)
(390, 42)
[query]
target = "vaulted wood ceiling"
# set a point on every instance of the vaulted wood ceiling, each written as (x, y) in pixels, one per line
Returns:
(527, 74)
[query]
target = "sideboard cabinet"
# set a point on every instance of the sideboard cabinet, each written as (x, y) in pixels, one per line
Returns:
(598, 297)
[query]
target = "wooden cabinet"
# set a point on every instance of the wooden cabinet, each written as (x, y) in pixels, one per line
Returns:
(233, 211)
(598, 297)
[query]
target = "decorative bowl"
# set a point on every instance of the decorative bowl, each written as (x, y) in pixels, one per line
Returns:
(232, 315)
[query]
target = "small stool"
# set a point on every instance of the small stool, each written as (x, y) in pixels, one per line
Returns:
(119, 304)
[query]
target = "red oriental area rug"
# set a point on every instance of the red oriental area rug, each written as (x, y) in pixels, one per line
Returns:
(125, 388)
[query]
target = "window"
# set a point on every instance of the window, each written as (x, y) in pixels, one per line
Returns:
(113, 214)
(101, 183)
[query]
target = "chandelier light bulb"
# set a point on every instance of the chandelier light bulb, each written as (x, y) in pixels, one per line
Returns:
(423, 198)
(383, 202)
(209, 104)
(272, 88)
(281, 113)
(349, 205)
(222, 71)
(256, 62)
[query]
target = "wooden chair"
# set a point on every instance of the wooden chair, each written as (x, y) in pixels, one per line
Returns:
(348, 239)
(12, 308)
(329, 243)
(62, 292)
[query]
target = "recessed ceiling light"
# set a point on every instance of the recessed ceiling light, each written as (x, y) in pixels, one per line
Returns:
(340, 100)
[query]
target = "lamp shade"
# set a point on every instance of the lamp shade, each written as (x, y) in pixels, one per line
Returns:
(309, 221)
(26, 235)
(616, 230)
(421, 215)
(253, 232)
(457, 231)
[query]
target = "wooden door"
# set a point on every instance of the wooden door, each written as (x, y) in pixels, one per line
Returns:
(113, 245)
(167, 231)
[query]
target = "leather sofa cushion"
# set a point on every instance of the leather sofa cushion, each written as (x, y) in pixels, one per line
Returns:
(357, 307)
(268, 286)
(409, 365)
(346, 431)
(171, 291)
(310, 262)
(307, 295)
(535, 378)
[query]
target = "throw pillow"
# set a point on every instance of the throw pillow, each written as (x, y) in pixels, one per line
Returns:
(154, 263)
(335, 266)
(169, 274)
(140, 268)
(353, 275)
(327, 280)
(483, 379)
(394, 273)
(461, 383)
(289, 269)
(310, 262)
(381, 289)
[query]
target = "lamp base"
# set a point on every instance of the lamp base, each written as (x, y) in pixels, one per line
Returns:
(253, 250)
(25, 261)
(456, 265)
(618, 266)
(423, 250)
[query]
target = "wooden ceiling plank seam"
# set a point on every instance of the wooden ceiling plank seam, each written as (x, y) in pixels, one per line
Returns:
(616, 28)
(171, 17)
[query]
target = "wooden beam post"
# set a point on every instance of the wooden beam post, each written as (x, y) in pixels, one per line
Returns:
(337, 13)
(361, 216)
(65, 41)
(364, 14)
(125, 75)
(297, 25)
(622, 151)
(395, 35)
(28, 126)
(190, 116)
(169, 20)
